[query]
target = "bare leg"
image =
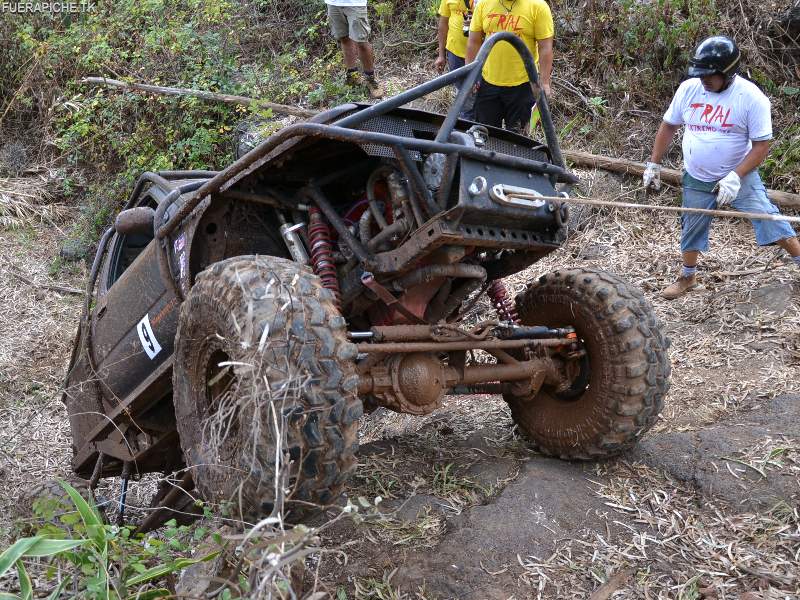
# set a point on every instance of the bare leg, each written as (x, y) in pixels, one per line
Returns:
(350, 52)
(366, 55)
(791, 245)
(690, 258)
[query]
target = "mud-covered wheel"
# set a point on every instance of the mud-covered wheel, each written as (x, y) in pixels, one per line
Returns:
(265, 383)
(618, 387)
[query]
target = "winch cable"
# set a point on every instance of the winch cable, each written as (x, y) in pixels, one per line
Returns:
(713, 212)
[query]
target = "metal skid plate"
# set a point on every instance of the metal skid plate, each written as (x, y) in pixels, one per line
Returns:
(445, 231)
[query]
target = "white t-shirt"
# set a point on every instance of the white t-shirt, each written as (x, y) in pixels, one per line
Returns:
(346, 2)
(719, 127)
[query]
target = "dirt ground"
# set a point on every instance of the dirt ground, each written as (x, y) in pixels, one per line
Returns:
(708, 505)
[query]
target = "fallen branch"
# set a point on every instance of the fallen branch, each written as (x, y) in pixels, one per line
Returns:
(618, 165)
(614, 584)
(204, 95)
(63, 289)
(671, 176)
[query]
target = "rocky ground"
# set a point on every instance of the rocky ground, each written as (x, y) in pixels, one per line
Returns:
(707, 506)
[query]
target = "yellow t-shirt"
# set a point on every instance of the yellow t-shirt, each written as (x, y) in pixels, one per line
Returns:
(529, 19)
(455, 10)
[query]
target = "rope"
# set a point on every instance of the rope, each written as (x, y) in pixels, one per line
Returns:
(732, 214)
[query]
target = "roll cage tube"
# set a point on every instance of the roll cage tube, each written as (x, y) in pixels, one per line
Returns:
(342, 130)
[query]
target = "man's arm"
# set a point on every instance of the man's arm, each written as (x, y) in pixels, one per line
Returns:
(754, 158)
(473, 45)
(441, 36)
(545, 63)
(663, 139)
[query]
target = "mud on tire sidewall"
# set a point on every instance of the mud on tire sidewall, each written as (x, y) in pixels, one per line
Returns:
(628, 360)
(275, 314)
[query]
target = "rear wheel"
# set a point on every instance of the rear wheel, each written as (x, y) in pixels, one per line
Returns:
(617, 389)
(265, 387)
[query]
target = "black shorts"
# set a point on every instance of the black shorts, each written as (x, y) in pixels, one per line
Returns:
(495, 104)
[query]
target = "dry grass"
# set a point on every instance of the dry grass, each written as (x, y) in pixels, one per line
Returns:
(36, 330)
(681, 545)
(28, 200)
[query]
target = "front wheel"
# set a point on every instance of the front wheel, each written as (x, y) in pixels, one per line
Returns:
(265, 389)
(618, 388)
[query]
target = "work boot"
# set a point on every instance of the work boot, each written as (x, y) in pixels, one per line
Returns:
(682, 285)
(375, 88)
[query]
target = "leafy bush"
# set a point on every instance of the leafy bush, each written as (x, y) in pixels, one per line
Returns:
(104, 562)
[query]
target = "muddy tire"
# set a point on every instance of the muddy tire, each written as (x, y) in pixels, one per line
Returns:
(622, 394)
(264, 373)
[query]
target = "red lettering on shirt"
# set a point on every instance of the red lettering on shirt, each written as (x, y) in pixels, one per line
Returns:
(725, 120)
(504, 22)
(694, 108)
(706, 112)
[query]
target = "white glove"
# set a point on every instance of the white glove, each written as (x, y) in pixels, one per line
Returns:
(652, 176)
(727, 188)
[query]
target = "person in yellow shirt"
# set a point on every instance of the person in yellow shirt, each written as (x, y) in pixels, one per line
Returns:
(504, 94)
(452, 33)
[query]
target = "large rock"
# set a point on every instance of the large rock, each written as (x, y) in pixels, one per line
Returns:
(706, 458)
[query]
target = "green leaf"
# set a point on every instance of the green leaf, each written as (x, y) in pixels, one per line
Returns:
(7, 596)
(16, 551)
(790, 91)
(57, 592)
(25, 586)
(88, 514)
(91, 519)
(46, 547)
(160, 570)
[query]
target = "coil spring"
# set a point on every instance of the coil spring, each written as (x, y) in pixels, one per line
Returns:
(506, 307)
(319, 237)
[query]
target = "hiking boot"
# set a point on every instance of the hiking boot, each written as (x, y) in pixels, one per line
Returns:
(375, 88)
(680, 287)
(353, 79)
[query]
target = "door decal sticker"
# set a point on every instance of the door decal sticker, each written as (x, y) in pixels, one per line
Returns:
(148, 338)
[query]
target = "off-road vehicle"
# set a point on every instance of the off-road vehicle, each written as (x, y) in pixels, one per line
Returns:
(238, 322)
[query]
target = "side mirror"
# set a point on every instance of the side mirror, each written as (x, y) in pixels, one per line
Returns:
(134, 221)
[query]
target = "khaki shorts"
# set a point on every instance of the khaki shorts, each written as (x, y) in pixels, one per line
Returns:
(349, 21)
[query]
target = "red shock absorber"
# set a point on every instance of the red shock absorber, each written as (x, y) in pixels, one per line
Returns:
(319, 238)
(506, 307)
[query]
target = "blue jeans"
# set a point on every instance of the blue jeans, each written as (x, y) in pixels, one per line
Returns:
(456, 62)
(752, 197)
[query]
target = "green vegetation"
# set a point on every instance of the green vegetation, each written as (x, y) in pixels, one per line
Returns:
(103, 561)
(620, 60)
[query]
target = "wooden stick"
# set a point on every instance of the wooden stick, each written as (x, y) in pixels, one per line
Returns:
(618, 165)
(614, 583)
(671, 176)
(734, 214)
(227, 98)
(63, 289)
